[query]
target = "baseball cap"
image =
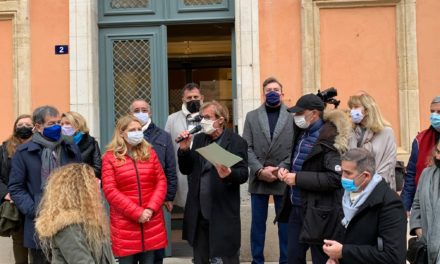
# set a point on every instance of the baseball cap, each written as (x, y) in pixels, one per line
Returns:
(436, 100)
(307, 102)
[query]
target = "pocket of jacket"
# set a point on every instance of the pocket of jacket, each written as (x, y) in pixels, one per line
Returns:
(320, 223)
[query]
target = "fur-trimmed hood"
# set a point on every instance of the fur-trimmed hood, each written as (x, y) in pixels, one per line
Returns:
(339, 120)
(46, 229)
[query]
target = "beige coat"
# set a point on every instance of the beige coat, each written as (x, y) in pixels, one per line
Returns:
(383, 147)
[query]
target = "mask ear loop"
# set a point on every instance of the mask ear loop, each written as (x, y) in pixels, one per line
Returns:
(362, 181)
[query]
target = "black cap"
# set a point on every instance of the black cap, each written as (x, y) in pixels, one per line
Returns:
(307, 102)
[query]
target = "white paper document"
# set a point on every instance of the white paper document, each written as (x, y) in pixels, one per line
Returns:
(218, 155)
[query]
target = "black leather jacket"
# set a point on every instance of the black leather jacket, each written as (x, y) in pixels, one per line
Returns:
(90, 153)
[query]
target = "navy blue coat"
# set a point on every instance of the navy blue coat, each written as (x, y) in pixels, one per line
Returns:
(162, 144)
(25, 182)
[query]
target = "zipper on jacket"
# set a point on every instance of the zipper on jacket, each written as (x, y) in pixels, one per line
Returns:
(140, 201)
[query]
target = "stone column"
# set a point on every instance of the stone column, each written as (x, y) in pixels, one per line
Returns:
(84, 71)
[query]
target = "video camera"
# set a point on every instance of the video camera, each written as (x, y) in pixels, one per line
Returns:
(327, 96)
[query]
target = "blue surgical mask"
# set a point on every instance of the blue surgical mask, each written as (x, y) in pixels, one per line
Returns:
(134, 138)
(52, 132)
(143, 117)
(273, 98)
(435, 120)
(356, 115)
(349, 185)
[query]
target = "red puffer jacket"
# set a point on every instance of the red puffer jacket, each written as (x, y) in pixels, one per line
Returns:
(130, 188)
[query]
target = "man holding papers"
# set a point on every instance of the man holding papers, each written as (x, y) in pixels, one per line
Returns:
(211, 222)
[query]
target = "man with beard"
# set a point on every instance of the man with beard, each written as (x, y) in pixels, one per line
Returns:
(184, 120)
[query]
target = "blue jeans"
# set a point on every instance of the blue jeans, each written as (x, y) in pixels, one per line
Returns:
(259, 203)
(146, 257)
(297, 250)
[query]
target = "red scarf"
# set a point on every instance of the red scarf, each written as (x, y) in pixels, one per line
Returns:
(426, 140)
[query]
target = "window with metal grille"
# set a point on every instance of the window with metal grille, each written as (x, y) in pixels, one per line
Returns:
(202, 2)
(131, 73)
(115, 4)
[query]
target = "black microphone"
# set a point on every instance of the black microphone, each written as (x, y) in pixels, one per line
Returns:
(196, 119)
(192, 131)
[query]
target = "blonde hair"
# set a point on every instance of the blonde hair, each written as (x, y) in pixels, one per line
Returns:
(13, 140)
(373, 118)
(71, 197)
(118, 146)
(220, 110)
(77, 121)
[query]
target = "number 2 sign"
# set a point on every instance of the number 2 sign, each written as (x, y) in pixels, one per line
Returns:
(61, 49)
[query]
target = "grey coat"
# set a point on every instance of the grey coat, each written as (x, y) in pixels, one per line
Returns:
(425, 212)
(262, 151)
(69, 246)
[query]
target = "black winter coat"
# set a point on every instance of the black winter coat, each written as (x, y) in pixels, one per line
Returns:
(224, 223)
(382, 217)
(319, 182)
(5, 168)
(90, 153)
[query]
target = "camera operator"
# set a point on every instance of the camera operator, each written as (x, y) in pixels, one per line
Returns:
(328, 97)
(312, 199)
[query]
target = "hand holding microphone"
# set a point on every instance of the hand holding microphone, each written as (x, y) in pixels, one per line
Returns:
(185, 137)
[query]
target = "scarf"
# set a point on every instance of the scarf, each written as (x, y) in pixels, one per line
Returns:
(350, 208)
(429, 205)
(426, 143)
(50, 156)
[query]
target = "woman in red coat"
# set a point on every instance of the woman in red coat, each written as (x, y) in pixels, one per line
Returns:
(135, 186)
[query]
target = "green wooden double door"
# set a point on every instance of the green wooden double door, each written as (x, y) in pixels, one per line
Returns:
(133, 58)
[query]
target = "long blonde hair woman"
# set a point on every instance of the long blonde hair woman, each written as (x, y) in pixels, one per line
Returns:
(71, 222)
(372, 132)
(134, 184)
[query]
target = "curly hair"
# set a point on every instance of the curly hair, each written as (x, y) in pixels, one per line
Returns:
(118, 145)
(72, 196)
(373, 118)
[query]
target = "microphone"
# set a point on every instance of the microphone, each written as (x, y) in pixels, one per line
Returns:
(196, 119)
(192, 131)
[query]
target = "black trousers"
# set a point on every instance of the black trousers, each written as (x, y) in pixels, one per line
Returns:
(38, 256)
(201, 246)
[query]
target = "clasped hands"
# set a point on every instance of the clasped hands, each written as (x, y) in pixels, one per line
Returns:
(288, 177)
(146, 216)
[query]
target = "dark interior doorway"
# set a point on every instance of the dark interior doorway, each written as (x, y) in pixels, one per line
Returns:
(202, 54)
(199, 53)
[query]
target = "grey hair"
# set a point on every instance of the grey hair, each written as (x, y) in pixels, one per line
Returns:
(40, 113)
(436, 100)
(363, 159)
(139, 100)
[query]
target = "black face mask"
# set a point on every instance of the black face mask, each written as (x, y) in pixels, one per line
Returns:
(437, 163)
(23, 132)
(193, 106)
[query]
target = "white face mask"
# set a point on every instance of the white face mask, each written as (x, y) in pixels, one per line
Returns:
(143, 117)
(356, 115)
(67, 130)
(300, 121)
(135, 137)
(207, 126)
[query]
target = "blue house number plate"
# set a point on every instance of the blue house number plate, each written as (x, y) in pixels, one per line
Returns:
(61, 49)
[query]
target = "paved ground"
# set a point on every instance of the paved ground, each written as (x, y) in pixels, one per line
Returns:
(6, 256)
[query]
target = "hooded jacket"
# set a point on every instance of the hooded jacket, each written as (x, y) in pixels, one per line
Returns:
(68, 240)
(319, 181)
